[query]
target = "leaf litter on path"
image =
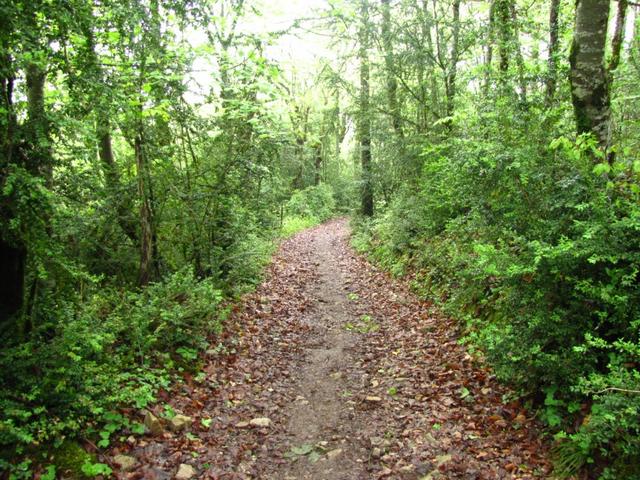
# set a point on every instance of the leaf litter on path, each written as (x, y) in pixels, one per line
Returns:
(294, 393)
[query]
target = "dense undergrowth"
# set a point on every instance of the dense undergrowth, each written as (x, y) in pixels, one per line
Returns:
(110, 349)
(537, 252)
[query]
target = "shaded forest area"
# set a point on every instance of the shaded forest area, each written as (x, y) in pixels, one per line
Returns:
(488, 150)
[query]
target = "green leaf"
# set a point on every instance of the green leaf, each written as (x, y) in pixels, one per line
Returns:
(49, 473)
(303, 449)
(602, 168)
(94, 469)
(314, 457)
(137, 428)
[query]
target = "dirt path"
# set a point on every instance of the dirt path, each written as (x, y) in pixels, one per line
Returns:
(346, 375)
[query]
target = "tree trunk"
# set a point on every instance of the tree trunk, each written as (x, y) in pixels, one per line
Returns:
(588, 76)
(552, 73)
(103, 137)
(364, 120)
(318, 163)
(488, 56)
(148, 264)
(618, 35)
(39, 161)
(505, 36)
(450, 80)
(392, 83)
(112, 178)
(517, 51)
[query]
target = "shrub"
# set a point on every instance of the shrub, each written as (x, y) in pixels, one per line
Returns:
(538, 252)
(312, 202)
(114, 351)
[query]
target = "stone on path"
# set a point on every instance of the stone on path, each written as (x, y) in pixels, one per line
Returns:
(333, 454)
(126, 462)
(185, 472)
(262, 422)
(153, 424)
(180, 422)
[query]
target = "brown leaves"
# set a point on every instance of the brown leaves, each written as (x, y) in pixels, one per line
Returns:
(419, 406)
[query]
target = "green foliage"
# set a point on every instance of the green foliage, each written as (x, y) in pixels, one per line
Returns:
(116, 351)
(307, 208)
(538, 252)
(315, 202)
(295, 224)
(94, 469)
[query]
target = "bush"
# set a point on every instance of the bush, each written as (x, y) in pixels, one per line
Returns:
(312, 202)
(538, 252)
(292, 225)
(115, 351)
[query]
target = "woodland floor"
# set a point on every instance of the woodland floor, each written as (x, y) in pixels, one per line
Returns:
(359, 380)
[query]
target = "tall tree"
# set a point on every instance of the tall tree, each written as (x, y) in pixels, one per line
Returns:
(389, 60)
(364, 113)
(552, 69)
(452, 70)
(588, 75)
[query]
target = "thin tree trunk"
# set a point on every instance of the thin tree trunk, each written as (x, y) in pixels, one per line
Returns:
(364, 120)
(147, 231)
(392, 83)
(588, 76)
(505, 38)
(450, 81)
(112, 178)
(618, 35)
(517, 51)
(552, 73)
(318, 163)
(488, 61)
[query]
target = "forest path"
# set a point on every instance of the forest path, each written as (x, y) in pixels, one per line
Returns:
(332, 370)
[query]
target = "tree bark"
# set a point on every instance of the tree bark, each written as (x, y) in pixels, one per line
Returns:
(450, 80)
(618, 35)
(148, 264)
(364, 117)
(39, 161)
(517, 51)
(552, 72)
(317, 163)
(505, 36)
(389, 60)
(588, 76)
(112, 178)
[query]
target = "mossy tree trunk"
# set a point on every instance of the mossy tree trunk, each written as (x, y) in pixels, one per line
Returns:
(588, 75)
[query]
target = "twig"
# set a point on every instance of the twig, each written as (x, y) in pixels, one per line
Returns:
(616, 389)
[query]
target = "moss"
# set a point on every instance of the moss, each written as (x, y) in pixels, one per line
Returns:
(69, 458)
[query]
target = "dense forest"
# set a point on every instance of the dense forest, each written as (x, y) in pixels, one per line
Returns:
(154, 153)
